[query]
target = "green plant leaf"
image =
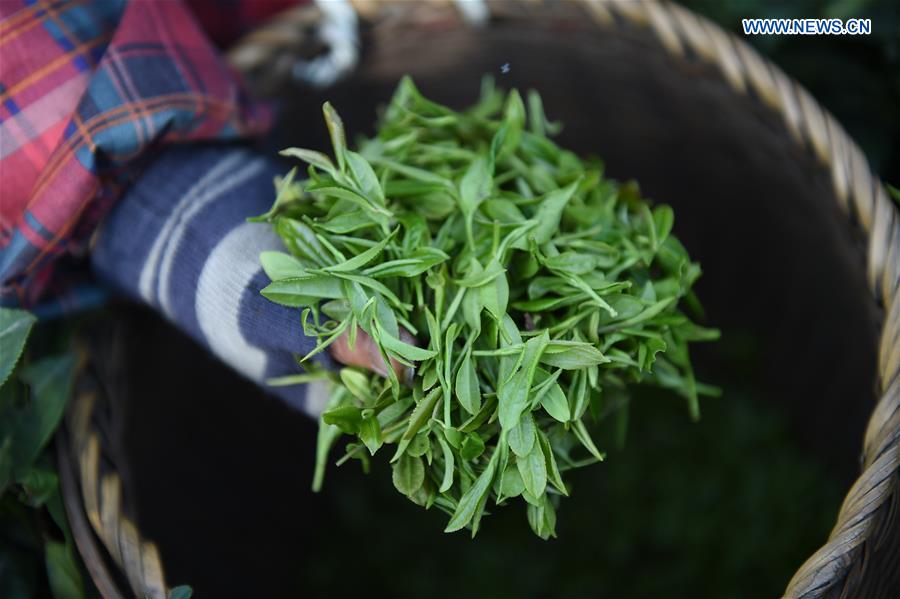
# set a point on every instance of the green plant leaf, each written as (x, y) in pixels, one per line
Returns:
(447, 480)
(15, 325)
(39, 484)
(513, 124)
(336, 131)
(475, 185)
(364, 258)
(471, 447)
(365, 177)
(542, 518)
(533, 470)
(62, 571)
(513, 396)
(325, 440)
(553, 474)
(403, 349)
(555, 403)
(584, 437)
(495, 295)
(572, 355)
(295, 292)
(278, 265)
(550, 212)
(316, 159)
(51, 383)
(370, 434)
(473, 498)
(467, 390)
(346, 418)
(409, 474)
(521, 436)
(512, 485)
(181, 592)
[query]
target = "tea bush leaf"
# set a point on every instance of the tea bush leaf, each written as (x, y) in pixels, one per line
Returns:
(409, 474)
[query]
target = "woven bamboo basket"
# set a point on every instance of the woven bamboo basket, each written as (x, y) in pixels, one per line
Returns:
(703, 122)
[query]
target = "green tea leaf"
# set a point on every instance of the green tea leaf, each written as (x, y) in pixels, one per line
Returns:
(357, 383)
(479, 276)
(584, 437)
(325, 439)
(364, 258)
(296, 291)
(467, 390)
(533, 470)
(420, 444)
(365, 177)
(554, 403)
(316, 159)
(472, 446)
(663, 219)
(447, 480)
(470, 501)
(370, 434)
(475, 185)
(417, 419)
(181, 592)
(409, 474)
(542, 518)
(278, 266)
(550, 211)
(553, 473)
(495, 295)
(346, 418)
(572, 355)
(336, 131)
(521, 436)
(512, 485)
(513, 124)
(403, 349)
(513, 396)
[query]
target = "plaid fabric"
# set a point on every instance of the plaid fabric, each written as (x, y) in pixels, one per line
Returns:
(87, 89)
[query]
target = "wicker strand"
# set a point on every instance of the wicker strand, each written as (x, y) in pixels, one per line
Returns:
(101, 502)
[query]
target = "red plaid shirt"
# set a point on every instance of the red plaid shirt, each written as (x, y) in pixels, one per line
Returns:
(87, 89)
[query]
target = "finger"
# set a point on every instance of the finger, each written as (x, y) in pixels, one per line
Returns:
(365, 354)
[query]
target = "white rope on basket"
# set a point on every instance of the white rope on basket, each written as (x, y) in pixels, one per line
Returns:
(338, 31)
(474, 11)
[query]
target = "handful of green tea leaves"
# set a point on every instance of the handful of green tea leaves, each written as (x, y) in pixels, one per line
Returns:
(537, 290)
